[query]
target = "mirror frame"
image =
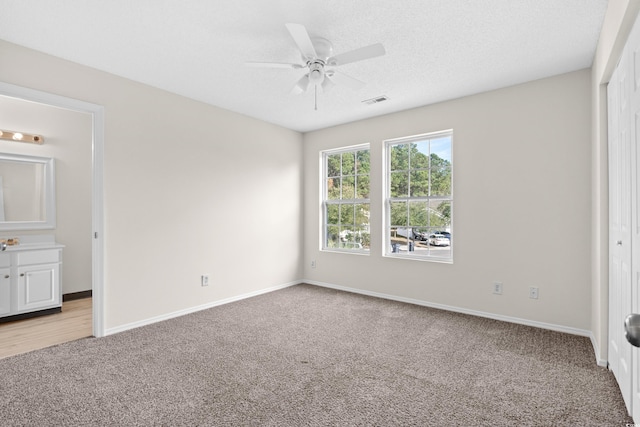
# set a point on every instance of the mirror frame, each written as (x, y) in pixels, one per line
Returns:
(50, 194)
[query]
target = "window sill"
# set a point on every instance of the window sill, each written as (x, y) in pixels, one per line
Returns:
(347, 251)
(418, 258)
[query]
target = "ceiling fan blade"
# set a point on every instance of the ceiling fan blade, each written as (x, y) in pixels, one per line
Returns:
(273, 65)
(302, 39)
(345, 80)
(301, 86)
(360, 54)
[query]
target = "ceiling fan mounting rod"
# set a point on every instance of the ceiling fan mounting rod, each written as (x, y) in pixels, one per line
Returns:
(316, 61)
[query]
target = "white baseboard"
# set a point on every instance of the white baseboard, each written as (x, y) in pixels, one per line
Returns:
(542, 325)
(601, 362)
(189, 310)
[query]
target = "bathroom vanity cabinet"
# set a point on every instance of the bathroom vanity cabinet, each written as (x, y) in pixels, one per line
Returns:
(30, 277)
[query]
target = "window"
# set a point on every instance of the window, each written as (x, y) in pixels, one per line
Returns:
(418, 197)
(346, 199)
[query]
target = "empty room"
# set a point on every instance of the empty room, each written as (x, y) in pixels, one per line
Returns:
(288, 213)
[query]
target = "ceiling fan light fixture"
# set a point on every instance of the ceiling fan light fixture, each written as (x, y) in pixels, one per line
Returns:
(301, 86)
(316, 73)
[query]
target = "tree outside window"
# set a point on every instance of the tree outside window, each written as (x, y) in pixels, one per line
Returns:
(346, 199)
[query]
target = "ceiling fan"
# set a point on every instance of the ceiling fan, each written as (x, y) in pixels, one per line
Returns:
(320, 63)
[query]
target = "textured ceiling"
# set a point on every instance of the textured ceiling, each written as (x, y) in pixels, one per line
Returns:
(436, 49)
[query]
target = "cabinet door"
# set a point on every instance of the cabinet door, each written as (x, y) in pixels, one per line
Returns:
(38, 287)
(5, 291)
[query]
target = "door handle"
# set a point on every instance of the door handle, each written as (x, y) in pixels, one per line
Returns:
(632, 329)
(619, 243)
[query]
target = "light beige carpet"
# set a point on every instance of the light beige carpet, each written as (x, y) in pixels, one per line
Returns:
(309, 356)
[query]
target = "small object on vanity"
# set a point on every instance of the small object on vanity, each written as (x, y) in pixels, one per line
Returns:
(13, 241)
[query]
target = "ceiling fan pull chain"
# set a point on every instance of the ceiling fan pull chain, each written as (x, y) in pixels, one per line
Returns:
(316, 97)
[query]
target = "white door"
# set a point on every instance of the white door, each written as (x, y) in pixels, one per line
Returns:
(624, 220)
(633, 57)
(619, 227)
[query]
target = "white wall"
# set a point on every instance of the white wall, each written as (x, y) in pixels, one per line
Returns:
(189, 189)
(67, 136)
(193, 189)
(521, 159)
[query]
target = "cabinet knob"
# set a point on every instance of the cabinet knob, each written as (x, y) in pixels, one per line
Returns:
(21, 274)
(6, 276)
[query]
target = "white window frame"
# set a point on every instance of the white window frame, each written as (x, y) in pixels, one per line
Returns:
(325, 200)
(387, 250)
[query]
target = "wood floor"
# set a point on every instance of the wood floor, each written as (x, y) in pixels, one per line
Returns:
(21, 336)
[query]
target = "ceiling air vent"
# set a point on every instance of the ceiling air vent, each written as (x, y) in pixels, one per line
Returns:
(375, 100)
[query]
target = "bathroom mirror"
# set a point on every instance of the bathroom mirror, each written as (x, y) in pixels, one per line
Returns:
(27, 195)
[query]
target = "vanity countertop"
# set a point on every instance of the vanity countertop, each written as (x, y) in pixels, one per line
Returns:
(33, 242)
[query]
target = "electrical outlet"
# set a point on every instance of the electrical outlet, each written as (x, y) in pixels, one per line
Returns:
(497, 288)
(204, 280)
(533, 292)
(313, 263)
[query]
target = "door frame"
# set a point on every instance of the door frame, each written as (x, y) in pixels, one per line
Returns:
(97, 193)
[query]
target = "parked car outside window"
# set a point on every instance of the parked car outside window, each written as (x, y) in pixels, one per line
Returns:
(439, 240)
